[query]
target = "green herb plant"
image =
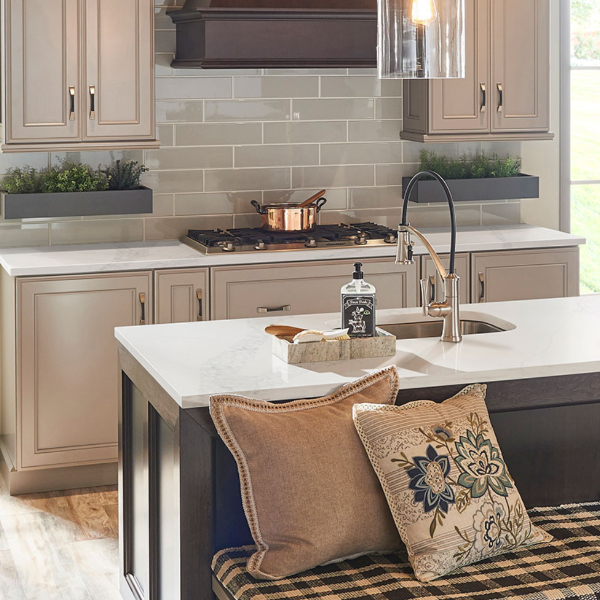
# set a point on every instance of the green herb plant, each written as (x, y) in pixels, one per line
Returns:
(23, 181)
(475, 166)
(124, 175)
(73, 177)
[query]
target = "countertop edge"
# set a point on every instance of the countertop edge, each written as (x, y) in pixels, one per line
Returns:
(50, 255)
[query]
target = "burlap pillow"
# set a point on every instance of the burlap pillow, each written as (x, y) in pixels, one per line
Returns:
(446, 482)
(309, 491)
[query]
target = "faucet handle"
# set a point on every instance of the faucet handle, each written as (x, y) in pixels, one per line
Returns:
(405, 248)
(425, 295)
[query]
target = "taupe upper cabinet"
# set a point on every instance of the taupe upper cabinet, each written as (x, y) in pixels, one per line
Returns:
(79, 75)
(505, 94)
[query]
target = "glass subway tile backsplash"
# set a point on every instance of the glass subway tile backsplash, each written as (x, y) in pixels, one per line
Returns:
(230, 136)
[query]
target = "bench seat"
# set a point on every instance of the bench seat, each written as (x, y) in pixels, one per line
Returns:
(568, 567)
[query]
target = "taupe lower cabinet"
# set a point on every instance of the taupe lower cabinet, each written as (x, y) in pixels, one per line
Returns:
(59, 368)
(304, 288)
(526, 275)
(79, 74)
(181, 295)
(506, 91)
(67, 365)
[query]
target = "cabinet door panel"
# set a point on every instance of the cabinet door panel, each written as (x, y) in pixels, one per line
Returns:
(521, 65)
(68, 365)
(43, 61)
(181, 296)
(119, 69)
(462, 270)
(463, 105)
(527, 275)
(295, 289)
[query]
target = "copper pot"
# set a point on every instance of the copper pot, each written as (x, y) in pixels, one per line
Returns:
(288, 216)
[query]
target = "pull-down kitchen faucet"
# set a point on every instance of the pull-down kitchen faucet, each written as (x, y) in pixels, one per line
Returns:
(450, 307)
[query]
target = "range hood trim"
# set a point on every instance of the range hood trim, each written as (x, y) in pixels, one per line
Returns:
(202, 37)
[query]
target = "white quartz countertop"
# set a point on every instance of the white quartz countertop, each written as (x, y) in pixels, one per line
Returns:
(193, 361)
(99, 258)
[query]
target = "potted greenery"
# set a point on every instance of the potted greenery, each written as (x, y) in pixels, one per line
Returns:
(74, 190)
(476, 178)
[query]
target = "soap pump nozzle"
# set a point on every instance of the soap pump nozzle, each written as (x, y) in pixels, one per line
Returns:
(358, 272)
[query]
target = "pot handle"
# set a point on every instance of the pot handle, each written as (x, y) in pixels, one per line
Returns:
(320, 203)
(259, 209)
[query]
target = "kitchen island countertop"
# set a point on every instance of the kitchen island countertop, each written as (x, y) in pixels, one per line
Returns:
(192, 361)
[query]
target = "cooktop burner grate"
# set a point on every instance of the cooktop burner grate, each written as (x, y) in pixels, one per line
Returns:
(323, 236)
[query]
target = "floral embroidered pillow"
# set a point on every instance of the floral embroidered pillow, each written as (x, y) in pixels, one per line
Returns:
(449, 490)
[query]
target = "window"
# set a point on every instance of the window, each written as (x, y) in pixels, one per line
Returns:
(585, 136)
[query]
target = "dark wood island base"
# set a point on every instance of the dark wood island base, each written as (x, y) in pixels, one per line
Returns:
(179, 495)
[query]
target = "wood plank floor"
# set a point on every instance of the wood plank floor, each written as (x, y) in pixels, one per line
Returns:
(59, 545)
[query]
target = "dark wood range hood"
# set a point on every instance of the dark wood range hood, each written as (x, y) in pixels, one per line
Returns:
(238, 34)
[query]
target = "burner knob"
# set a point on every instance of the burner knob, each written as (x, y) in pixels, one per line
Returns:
(390, 238)
(311, 243)
(260, 245)
(361, 239)
(228, 247)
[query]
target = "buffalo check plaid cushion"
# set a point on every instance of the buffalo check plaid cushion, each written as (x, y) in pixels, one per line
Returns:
(567, 567)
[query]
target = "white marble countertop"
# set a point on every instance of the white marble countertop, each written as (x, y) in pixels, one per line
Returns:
(98, 258)
(193, 361)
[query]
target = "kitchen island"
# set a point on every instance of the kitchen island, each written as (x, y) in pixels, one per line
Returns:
(180, 498)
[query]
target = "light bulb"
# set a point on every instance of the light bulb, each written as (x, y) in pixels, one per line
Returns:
(424, 12)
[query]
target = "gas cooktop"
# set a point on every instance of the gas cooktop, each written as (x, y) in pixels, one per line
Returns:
(256, 240)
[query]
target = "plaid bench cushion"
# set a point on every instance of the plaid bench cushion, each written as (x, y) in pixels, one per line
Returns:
(568, 567)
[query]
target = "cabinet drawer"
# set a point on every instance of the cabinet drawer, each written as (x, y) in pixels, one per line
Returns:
(300, 288)
(526, 275)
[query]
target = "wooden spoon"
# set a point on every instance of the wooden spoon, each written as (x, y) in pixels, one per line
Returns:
(282, 330)
(312, 199)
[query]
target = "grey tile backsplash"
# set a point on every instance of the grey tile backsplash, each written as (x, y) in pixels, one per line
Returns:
(229, 136)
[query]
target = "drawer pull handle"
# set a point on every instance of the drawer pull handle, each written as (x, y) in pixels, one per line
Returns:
(482, 287)
(266, 309)
(500, 97)
(432, 287)
(200, 312)
(483, 97)
(143, 304)
(72, 111)
(92, 102)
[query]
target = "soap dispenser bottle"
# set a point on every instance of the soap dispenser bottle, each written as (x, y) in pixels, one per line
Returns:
(358, 305)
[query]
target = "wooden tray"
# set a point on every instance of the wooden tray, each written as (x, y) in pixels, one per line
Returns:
(382, 345)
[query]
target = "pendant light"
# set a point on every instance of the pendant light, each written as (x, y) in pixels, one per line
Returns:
(421, 39)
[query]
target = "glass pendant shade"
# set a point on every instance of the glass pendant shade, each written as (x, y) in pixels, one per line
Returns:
(421, 39)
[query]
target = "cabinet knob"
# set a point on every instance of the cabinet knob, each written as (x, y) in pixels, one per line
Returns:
(72, 110)
(266, 309)
(481, 287)
(200, 311)
(483, 106)
(92, 102)
(143, 305)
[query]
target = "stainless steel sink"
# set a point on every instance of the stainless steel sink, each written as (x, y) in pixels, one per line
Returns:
(427, 329)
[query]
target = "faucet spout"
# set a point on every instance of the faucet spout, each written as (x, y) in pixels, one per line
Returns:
(449, 309)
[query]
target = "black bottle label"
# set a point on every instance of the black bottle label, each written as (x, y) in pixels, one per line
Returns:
(358, 315)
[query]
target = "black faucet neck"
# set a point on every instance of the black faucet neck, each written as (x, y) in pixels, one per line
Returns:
(442, 182)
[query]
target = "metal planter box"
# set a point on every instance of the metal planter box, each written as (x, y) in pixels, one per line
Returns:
(476, 190)
(77, 204)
